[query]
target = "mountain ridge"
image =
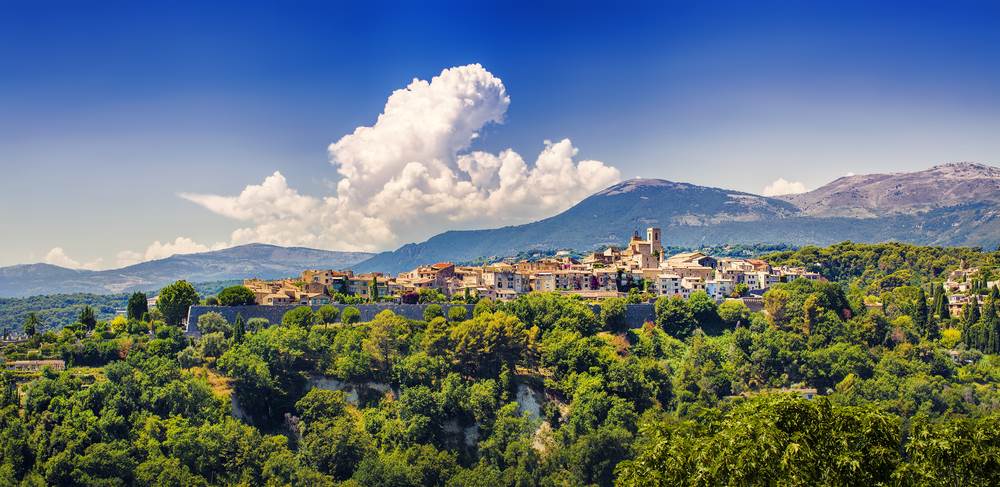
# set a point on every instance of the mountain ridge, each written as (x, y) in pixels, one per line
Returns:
(692, 215)
(886, 194)
(242, 261)
(966, 213)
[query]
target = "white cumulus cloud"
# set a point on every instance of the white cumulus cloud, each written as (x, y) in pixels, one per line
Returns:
(158, 250)
(782, 186)
(411, 175)
(58, 256)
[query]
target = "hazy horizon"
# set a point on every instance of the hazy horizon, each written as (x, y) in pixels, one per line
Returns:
(131, 132)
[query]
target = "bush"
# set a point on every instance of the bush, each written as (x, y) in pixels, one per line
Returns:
(350, 315)
(433, 311)
(457, 313)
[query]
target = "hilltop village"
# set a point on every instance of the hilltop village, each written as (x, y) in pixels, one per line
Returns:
(641, 266)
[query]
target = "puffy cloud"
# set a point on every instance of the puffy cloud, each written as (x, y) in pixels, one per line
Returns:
(411, 175)
(57, 256)
(781, 186)
(158, 250)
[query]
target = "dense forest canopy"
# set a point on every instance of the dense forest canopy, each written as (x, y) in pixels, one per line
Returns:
(55, 311)
(860, 380)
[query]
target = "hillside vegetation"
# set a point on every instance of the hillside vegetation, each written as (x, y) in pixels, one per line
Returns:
(536, 391)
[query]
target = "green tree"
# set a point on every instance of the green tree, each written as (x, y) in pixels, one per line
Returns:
(457, 313)
(435, 337)
(482, 344)
(373, 289)
(942, 310)
(213, 322)
(237, 296)
(174, 301)
(733, 311)
(922, 314)
(239, 328)
(87, 318)
(705, 310)
(138, 306)
(674, 315)
(31, 324)
(433, 311)
(350, 315)
(972, 311)
(770, 440)
(301, 316)
(613, 314)
(327, 314)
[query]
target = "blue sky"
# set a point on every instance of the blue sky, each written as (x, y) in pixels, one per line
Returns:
(110, 110)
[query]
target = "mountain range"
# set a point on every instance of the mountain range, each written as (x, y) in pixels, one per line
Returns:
(949, 204)
(253, 260)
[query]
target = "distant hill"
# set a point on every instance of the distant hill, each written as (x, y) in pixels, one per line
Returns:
(877, 195)
(952, 204)
(253, 260)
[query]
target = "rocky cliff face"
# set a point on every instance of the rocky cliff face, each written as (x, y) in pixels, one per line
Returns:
(876, 195)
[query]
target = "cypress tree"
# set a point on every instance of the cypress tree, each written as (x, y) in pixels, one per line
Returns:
(986, 330)
(972, 311)
(922, 317)
(137, 306)
(240, 328)
(87, 317)
(31, 324)
(943, 311)
(373, 292)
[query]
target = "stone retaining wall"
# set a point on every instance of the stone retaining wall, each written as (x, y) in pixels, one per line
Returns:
(635, 315)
